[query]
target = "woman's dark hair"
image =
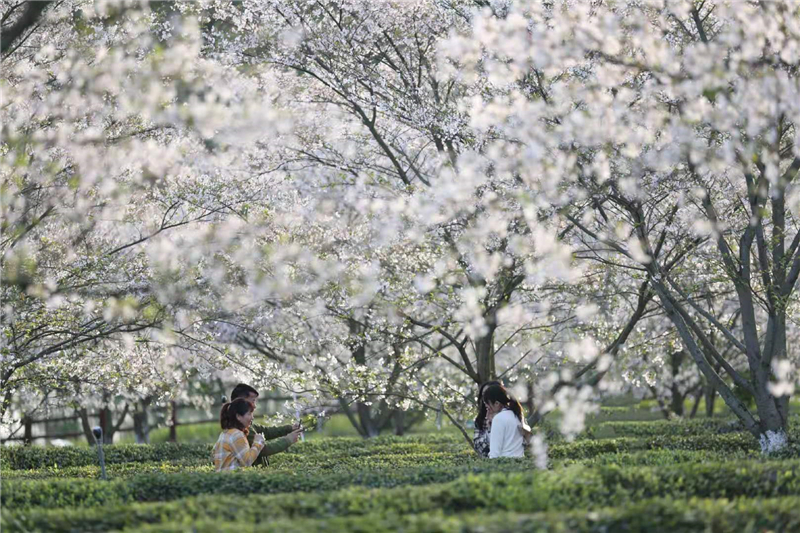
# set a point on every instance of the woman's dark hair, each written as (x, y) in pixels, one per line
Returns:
(227, 417)
(498, 393)
(242, 390)
(480, 420)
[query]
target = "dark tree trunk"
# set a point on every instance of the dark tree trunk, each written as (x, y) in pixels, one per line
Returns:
(141, 422)
(85, 425)
(29, 18)
(678, 397)
(27, 437)
(484, 353)
(697, 397)
(365, 419)
(173, 428)
(399, 423)
(710, 396)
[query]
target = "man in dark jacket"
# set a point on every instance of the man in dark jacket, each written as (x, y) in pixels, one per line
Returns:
(277, 439)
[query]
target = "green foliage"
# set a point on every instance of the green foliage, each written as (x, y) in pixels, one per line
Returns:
(696, 515)
(653, 476)
(654, 428)
(655, 436)
(524, 492)
(20, 493)
(27, 457)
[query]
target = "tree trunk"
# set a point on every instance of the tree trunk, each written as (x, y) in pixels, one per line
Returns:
(85, 425)
(697, 397)
(173, 427)
(484, 353)
(679, 317)
(141, 422)
(770, 424)
(665, 410)
(351, 417)
(676, 402)
(530, 406)
(27, 438)
(710, 396)
(366, 420)
(105, 423)
(399, 423)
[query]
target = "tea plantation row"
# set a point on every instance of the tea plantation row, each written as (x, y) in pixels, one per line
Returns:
(652, 476)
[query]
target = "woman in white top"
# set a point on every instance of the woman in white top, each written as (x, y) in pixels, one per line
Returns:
(505, 439)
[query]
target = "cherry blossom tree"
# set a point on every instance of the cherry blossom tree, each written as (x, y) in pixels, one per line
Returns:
(111, 147)
(666, 130)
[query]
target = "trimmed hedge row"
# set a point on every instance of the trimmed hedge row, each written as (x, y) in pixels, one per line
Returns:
(658, 428)
(113, 471)
(586, 449)
(31, 457)
(650, 517)
(661, 457)
(280, 464)
(525, 492)
(36, 457)
(27, 458)
(576, 454)
(163, 487)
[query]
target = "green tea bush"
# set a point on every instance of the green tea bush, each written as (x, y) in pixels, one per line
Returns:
(512, 489)
(35, 457)
(521, 492)
(32, 457)
(332, 450)
(651, 516)
(21, 493)
(661, 457)
(658, 428)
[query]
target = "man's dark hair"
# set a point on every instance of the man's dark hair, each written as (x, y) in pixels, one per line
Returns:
(242, 390)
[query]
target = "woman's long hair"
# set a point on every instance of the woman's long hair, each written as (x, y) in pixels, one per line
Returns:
(480, 420)
(227, 416)
(498, 393)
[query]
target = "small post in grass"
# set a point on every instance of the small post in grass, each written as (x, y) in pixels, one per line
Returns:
(97, 431)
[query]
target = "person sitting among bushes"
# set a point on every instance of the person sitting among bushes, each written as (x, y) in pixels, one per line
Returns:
(277, 439)
(483, 423)
(507, 423)
(232, 450)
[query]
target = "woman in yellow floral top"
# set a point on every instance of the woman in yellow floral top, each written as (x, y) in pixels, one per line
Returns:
(232, 450)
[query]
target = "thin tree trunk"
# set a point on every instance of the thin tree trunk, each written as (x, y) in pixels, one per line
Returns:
(710, 397)
(141, 422)
(85, 425)
(697, 397)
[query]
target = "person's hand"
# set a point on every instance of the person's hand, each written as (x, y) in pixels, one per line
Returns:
(296, 426)
(294, 435)
(489, 415)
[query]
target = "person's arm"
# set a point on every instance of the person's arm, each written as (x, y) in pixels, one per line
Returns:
(280, 444)
(526, 432)
(244, 453)
(275, 446)
(498, 436)
(272, 432)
